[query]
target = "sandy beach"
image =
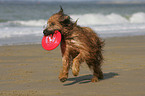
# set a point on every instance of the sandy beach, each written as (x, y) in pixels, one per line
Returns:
(29, 70)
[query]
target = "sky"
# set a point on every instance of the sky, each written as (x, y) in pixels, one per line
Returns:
(72, 0)
(82, 0)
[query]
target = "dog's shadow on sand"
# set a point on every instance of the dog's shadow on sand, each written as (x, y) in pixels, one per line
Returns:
(87, 78)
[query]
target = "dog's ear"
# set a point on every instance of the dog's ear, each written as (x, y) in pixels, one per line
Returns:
(64, 19)
(76, 22)
(61, 10)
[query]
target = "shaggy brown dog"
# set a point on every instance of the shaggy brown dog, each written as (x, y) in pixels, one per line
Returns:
(78, 44)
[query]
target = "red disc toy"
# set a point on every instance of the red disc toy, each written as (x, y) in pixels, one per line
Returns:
(50, 42)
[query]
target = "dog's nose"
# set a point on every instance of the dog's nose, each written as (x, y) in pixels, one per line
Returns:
(45, 32)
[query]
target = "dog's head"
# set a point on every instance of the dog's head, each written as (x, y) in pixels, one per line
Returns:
(56, 22)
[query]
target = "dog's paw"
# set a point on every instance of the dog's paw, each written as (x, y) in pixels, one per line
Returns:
(94, 79)
(75, 71)
(63, 79)
(63, 76)
(75, 68)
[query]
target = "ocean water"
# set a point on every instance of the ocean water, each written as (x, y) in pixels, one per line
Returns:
(23, 22)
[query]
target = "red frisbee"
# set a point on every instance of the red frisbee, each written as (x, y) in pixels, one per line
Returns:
(50, 42)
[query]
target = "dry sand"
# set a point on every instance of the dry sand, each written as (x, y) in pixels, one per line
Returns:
(29, 70)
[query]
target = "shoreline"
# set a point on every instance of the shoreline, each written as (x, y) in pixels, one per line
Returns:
(29, 70)
(39, 43)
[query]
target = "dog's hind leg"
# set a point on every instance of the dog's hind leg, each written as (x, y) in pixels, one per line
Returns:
(76, 64)
(95, 66)
(97, 74)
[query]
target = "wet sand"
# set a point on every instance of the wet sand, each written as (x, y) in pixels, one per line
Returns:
(29, 70)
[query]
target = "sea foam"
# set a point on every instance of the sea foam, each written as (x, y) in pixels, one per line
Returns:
(100, 23)
(138, 18)
(87, 19)
(113, 18)
(29, 22)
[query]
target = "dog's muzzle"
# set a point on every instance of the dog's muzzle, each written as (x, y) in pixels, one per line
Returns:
(46, 32)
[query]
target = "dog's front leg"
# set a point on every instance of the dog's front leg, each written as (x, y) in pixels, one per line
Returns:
(65, 61)
(64, 73)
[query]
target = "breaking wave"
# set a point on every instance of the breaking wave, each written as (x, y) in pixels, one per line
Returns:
(102, 24)
(29, 22)
(86, 19)
(113, 18)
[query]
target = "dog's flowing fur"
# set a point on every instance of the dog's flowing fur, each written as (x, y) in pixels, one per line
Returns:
(78, 44)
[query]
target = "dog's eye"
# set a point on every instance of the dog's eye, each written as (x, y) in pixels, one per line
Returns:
(52, 24)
